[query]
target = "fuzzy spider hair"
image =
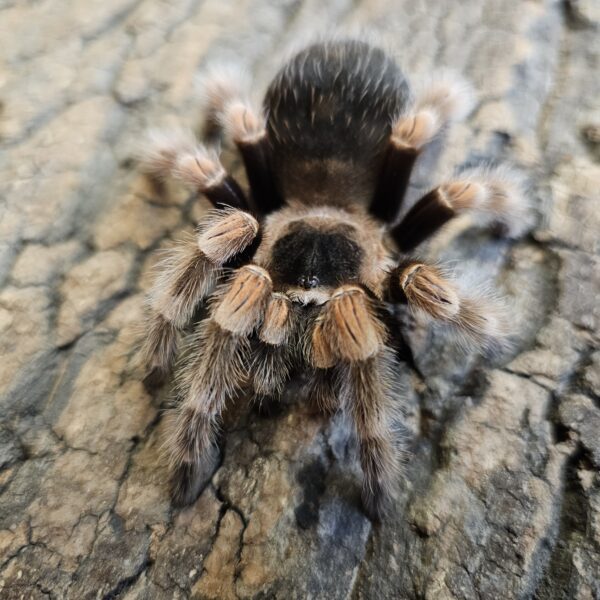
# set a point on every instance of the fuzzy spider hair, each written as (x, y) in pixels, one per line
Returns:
(301, 272)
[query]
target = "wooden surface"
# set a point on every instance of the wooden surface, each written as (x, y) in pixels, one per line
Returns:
(501, 497)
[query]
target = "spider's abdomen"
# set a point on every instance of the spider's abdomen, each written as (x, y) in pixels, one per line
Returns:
(329, 114)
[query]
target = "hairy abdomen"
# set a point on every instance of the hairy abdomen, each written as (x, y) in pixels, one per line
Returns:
(329, 115)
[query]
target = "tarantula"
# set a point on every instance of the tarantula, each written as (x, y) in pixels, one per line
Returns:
(301, 272)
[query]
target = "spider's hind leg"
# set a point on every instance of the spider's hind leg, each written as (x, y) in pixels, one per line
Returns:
(225, 92)
(492, 195)
(177, 154)
(437, 103)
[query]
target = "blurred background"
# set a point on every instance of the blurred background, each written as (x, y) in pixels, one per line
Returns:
(501, 495)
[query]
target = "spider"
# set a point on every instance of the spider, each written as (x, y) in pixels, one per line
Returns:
(303, 273)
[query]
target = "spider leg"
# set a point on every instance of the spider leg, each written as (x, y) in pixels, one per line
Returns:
(480, 318)
(217, 85)
(439, 102)
(367, 395)
(177, 154)
(346, 329)
(224, 90)
(489, 194)
(349, 337)
(185, 276)
(270, 370)
(247, 129)
(212, 376)
(243, 305)
(323, 392)
(214, 372)
(273, 352)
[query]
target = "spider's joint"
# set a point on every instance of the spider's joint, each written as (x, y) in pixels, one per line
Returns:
(414, 131)
(463, 195)
(244, 303)
(243, 123)
(258, 271)
(228, 234)
(346, 329)
(200, 169)
(426, 289)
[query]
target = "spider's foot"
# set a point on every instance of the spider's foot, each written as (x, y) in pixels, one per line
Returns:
(189, 479)
(155, 378)
(376, 503)
(267, 406)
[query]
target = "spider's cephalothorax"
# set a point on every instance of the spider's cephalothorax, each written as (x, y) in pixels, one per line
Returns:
(309, 261)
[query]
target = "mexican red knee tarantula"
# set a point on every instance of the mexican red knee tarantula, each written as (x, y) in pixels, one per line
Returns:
(309, 262)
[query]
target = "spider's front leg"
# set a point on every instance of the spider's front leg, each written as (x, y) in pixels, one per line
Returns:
(480, 317)
(185, 276)
(188, 271)
(214, 371)
(273, 352)
(218, 367)
(349, 336)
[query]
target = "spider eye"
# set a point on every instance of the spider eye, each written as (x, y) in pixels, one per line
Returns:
(308, 282)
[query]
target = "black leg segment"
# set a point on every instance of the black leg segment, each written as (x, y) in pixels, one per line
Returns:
(426, 217)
